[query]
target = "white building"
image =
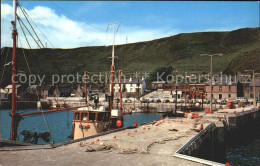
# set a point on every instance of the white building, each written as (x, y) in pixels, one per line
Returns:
(3, 94)
(130, 86)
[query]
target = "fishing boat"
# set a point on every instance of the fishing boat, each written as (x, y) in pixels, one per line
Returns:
(87, 119)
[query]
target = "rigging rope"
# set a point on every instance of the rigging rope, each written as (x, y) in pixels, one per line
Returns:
(25, 35)
(45, 121)
(37, 26)
(31, 26)
(18, 18)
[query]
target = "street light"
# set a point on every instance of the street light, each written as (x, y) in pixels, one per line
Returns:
(254, 103)
(176, 71)
(211, 57)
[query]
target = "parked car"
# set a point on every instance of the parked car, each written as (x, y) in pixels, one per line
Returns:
(152, 100)
(128, 101)
(223, 102)
(158, 101)
(242, 99)
(145, 101)
(166, 100)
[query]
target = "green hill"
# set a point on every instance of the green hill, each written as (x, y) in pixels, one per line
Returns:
(241, 49)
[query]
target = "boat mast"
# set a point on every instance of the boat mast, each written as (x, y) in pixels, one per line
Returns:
(86, 90)
(14, 36)
(113, 64)
(120, 90)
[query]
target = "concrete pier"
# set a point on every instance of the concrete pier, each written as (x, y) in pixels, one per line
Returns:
(149, 144)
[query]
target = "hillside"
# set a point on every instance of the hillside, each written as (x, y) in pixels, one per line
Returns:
(241, 49)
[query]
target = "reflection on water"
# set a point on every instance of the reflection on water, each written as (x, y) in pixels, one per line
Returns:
(59, 123)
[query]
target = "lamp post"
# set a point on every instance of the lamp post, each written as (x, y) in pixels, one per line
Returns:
(176, 71)
(211, 71)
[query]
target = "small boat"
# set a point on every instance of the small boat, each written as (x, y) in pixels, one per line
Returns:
(137, 110)
(162, 111)
(146, 111)
(127, 112)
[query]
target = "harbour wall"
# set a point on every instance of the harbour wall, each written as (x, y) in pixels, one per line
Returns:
(209, 145)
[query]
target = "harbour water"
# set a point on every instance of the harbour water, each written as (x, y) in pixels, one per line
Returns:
(59, 123)
(245, 151)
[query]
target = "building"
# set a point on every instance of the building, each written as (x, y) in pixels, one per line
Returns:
(65, 91)
(182, 88)
(222, 88)
(41, 91)
(248, 89)
(158, 85)
(197, 91)
(3, 94)
(130, 86)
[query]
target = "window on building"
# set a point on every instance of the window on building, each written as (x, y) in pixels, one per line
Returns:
(229, 88)
(251, 95)
(229, 95)
(220, 96)
(251, 88)
(220, 88)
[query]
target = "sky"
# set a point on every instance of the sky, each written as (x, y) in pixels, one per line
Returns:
(70, 24)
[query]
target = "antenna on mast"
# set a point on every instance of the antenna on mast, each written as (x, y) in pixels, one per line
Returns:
(114, 36)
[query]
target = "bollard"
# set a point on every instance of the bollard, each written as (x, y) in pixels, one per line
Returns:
(201, 126)
(162, 117)
(97, 139)
(135, 124)
(114, 137)
(227, 164)
(118, 123)
(80, 143)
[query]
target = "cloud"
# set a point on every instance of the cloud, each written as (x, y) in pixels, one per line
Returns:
(66, 33)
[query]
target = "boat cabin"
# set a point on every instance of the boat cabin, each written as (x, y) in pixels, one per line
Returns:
(88, 121)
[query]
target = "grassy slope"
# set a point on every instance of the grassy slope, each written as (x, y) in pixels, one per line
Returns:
(241, 49)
